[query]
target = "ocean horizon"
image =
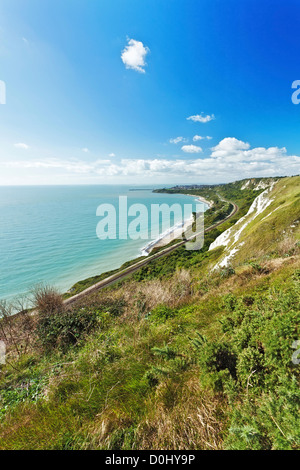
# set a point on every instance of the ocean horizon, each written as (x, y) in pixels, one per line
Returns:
(48, 233)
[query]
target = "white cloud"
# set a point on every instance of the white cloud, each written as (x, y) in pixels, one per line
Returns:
(196, 138)
(74, 166)
(201, 118)
(112, 155)
(230, 160)
(21, 146)
(177, 140)
(230, 148)
(85, 150)
(191, 149)
(134, 55)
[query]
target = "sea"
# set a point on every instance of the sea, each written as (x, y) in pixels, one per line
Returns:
(48, 234)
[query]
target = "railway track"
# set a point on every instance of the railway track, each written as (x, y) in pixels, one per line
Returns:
(135, 267)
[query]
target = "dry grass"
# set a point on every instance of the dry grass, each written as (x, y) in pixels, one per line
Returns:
(139, 298)
(192, 423)
(182, 418)
(142, 297)
(287, 246)
(181, 289)
(100, 433)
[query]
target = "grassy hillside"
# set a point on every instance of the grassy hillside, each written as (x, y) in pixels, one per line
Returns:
(179, 356)
(271, 232)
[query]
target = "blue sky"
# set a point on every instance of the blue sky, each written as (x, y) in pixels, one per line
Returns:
(76, 112)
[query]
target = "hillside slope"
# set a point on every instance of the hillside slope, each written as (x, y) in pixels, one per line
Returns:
(271, 225)
(190, 353)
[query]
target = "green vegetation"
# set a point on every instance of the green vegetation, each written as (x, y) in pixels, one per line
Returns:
(218, 212)
(177, 356)
(84, 284)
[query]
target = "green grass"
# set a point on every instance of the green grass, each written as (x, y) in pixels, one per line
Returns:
(177, 357)
(85, 283)
(125, 371)
(276, 231)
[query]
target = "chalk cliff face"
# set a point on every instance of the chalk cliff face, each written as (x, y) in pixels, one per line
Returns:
(277, 207)
(257, 185)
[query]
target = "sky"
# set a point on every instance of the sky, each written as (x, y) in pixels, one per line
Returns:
(148, 92)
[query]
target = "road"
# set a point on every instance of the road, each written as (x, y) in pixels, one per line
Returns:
(135, 267)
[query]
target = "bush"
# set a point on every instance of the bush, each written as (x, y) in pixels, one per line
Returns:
(65, 328)
(252, 366)
(219, 361)
(47, 300)
(227, 272)
(161, 314)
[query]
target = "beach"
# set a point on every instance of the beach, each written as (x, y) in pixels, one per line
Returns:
(202, 200)
(175, 232)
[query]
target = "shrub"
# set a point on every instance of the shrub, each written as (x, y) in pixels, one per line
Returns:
(161, 314)
(151, 378)
(65, 328)
(220, 357)
(47, 300)
(255, 266)
(113, 306)
(227, 272)
(230, 302)
(251, 368)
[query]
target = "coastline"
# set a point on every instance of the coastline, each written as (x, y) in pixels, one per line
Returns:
(202, 199)
(85, 267)
(173, 233)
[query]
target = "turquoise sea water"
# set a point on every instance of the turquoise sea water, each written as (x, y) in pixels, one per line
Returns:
(48, 234)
